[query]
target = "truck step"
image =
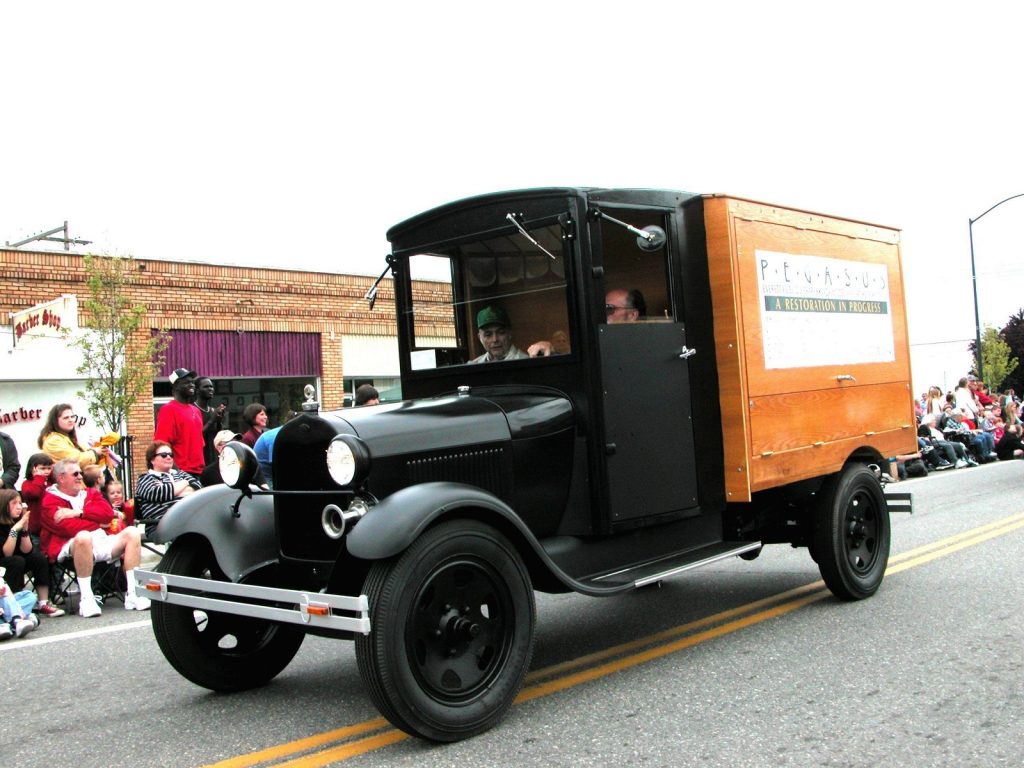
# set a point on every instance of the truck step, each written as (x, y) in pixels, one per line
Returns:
(899, 502)
(643, 574)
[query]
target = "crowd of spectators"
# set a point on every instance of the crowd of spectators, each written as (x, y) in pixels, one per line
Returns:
(965, 427)
(71, 513)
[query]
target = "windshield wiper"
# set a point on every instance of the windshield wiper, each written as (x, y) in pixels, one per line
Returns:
(512, 217)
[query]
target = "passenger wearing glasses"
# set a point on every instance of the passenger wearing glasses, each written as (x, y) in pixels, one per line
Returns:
(75, 526)
(59, 438)
(622, 306)
(162, 486)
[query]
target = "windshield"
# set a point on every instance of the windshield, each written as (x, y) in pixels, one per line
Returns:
(494, 300)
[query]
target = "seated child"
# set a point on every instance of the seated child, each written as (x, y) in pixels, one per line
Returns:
(18, 619)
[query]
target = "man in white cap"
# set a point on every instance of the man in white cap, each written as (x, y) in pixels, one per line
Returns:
(179, 423)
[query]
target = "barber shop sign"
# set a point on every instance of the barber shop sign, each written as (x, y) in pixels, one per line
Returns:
(45, 320)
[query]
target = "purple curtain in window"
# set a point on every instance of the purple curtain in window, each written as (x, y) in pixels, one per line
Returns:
(252, 354)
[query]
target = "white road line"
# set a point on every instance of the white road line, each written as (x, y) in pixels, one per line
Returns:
(14, 644)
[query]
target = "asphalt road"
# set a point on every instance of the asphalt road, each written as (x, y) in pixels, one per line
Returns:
(739, 664)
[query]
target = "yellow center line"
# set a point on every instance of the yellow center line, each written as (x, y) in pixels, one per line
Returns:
(300, 745)
(603, 670)
(956, 547)
(345, 751)
(656, 646)
(950, 540)
(722, 616)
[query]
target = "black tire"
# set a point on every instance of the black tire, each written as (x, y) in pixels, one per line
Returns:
(851, 533)
(452, 632)
(751, 554)
(218, 651)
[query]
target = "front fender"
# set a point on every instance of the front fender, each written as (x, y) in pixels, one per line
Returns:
(241, 544)
(393, 524)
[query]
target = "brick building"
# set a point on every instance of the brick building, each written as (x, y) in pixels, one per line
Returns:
(261, 334)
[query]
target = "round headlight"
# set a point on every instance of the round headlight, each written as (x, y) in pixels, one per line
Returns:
(348, 460)
(237, 465)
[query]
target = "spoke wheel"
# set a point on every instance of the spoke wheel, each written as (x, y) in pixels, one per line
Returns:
(851, 534)
(219, 651)
(452, 632)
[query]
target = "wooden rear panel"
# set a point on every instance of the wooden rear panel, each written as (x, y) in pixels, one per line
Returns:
(811, 342)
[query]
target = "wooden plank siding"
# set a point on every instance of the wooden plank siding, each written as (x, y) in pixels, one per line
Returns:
(781, 425)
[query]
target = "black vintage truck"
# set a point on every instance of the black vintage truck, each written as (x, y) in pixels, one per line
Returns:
(604, 388)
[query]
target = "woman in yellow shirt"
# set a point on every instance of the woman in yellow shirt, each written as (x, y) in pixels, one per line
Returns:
(59, 440)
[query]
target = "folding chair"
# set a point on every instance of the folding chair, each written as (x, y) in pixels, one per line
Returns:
(108, 580)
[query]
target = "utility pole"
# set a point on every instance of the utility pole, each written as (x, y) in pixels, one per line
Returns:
(48, 236)
(974, 280)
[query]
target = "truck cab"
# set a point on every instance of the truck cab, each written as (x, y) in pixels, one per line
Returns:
(642, 397)
(604, 388)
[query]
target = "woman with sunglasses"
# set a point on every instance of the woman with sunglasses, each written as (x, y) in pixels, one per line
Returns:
(19, 555)
(59, 438)
(162, 486)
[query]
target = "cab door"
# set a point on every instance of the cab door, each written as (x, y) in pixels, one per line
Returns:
(647, 426)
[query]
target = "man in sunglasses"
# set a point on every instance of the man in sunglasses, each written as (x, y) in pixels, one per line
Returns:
(75, 521)
(624, 306)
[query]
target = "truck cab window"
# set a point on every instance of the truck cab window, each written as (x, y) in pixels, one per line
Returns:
(497, 299)
(636, 282)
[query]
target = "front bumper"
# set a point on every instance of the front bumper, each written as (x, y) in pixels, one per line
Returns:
(285, 606)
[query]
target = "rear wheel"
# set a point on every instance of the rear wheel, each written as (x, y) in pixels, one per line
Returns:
(851, 533)
(452, 632)
(219, 651)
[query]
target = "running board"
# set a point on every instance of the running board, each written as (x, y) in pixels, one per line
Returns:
(656, 570)
(899, 502)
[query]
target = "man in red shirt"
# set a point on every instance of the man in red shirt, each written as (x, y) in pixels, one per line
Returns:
(75, 522)
(179, 423)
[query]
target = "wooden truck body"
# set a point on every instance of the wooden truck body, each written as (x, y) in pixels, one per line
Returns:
(811, 342)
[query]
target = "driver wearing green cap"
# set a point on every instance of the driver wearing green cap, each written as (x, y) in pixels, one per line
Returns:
(495, 334)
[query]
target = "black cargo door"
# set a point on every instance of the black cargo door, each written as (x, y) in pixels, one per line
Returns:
(648, 433)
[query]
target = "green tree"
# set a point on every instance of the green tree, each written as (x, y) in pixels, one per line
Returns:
(120, 358)
(1013, 334)
(996, 360)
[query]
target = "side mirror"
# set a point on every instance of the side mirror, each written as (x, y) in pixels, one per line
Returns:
(652, 239)
(649, 239)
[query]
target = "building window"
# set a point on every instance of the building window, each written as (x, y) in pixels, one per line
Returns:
(389, 387)
(278, 394)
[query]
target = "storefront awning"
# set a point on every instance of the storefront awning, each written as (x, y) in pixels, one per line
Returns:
(249, 353)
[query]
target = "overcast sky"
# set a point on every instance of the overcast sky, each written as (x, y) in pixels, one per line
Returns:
(294, 134)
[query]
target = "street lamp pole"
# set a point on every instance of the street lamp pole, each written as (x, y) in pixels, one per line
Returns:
(974, 282)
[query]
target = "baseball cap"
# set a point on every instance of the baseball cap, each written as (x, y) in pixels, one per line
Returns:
(225, 436)
(492, 316)
(181, 373)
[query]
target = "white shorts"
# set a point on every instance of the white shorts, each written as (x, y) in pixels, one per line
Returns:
(102, 544)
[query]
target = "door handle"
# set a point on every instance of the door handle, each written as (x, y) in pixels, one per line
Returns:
(687, 353)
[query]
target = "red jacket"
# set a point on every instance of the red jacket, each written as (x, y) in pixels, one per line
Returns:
(32, 490)
(96, 514)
